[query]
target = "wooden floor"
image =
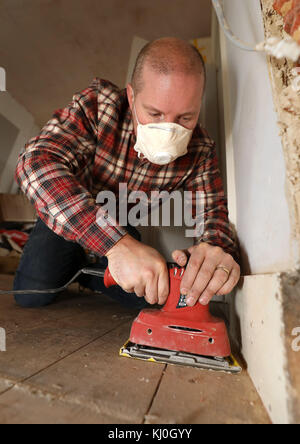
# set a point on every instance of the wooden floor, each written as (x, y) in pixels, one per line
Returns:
(61, 366)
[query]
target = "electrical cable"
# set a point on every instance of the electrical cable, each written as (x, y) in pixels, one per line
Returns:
(90, 271)
(223, 23)
(274, 46)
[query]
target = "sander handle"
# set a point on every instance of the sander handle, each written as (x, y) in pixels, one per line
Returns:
(108, 279)
(110, 282)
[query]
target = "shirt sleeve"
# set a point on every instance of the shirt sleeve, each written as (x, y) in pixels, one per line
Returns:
(55, 172)
(209, 205)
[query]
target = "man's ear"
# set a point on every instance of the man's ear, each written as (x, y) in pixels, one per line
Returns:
(130, 95)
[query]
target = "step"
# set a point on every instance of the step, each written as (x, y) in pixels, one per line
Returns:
(267, 323)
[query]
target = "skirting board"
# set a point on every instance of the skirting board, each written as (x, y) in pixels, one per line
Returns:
(266, 311)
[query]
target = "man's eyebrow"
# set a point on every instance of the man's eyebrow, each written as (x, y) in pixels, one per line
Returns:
(188, 113)
(152, 108)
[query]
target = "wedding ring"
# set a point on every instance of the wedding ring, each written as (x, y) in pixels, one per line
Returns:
(221, 267)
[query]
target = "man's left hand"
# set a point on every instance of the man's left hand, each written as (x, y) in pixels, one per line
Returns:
(210, 271)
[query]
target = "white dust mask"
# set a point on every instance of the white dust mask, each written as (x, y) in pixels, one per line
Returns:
(162, 143)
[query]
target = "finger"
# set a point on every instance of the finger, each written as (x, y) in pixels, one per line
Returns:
(151, 291)
(219, 278)
(140, 291)
(231, 282)
(191, 272)
(128, 290)
(191, 249)
(163, 286)
(201, 282)
(180, 257)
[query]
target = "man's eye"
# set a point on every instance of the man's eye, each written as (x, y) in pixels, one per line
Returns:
(155, 114)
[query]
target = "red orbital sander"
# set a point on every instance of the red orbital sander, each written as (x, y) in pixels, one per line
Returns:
(179, 334)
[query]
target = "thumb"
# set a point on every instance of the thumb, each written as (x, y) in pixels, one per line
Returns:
(180, 257)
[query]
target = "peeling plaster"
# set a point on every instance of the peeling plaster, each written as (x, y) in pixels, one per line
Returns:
(286, 96)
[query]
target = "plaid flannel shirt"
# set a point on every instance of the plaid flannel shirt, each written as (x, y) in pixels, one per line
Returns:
(88, 147)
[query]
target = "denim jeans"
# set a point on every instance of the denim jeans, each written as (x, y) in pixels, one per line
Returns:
(49, 261)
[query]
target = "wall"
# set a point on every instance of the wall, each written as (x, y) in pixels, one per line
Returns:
(8, 134)
(261, 209)
(18, 126)
(51, 49)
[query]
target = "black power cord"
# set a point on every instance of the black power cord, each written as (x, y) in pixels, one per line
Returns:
(91, 271)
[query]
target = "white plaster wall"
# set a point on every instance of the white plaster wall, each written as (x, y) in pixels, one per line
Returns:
(262, 215)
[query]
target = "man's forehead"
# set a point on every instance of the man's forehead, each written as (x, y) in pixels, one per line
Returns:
(150, 73)
(177, 80)
(176, 86)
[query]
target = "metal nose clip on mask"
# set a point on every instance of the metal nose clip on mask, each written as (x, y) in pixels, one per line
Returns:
(161, 143)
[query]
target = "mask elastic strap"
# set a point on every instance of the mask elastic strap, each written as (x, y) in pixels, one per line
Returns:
(134, 108)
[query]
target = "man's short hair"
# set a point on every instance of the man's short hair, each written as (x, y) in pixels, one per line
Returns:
(165, 56)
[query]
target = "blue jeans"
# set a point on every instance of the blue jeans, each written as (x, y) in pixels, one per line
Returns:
(49, 261)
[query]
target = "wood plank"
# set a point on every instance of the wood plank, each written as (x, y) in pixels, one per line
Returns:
(20, 406)
(194, 396)
(5, 384)
(31, 350)
(97, 375)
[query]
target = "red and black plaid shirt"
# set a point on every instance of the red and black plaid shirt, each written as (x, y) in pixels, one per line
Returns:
(87, 147)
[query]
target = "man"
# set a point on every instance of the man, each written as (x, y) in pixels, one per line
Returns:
(97, 142)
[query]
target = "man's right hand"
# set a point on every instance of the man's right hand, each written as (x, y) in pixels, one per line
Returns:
(139, 269)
